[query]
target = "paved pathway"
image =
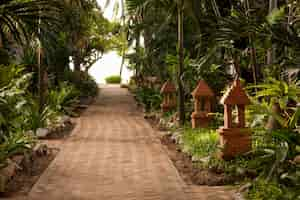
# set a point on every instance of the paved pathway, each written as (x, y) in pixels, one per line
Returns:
(113, 154)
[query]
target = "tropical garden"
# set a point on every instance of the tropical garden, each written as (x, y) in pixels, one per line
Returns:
(221, 41)
(48, 46)
(39, 39)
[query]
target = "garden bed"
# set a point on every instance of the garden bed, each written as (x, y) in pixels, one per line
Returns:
(28, 170)
(190, 172)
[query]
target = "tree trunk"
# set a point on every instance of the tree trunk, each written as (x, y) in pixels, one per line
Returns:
(41, 75)
(273, 4)
(77, 62)
(122, 32)
(181, 110)
(273, 124)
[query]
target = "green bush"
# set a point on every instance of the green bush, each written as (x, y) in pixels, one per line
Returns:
(150, 98)
(13, 144)
(200, 142)
(86, 84)
(113, 79)
(63, 98)
(263, 190)
(88, 87)
(35, 118)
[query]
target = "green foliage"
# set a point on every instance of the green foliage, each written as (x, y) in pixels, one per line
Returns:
(149, 97)
(63, 98)
(20, 18)
(36, 118)
(86, 85)
(285, 95)
(263, 190)
(115, 79)
(13, 144)
(14, 83)
(200, 142)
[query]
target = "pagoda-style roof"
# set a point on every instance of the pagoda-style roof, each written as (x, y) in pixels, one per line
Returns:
(168, 87)
(202, 90)
(235, 95)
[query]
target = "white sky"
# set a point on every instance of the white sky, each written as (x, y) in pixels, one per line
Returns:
(111, 62)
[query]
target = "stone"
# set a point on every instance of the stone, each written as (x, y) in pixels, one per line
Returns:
(176, 136)
(41, 150)
(297, 159)
(7, 173)
(201, 159)
(66, 119)
(42, 132)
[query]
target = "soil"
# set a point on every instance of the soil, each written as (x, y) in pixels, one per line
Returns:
(190, 173)
(29, 173)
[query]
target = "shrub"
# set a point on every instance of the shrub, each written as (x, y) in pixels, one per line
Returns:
(86, 84)
(34, 118)
(263, 190)
(150, 98)
(13, 144)
(88, 87)
(113, 79)
(63, 98)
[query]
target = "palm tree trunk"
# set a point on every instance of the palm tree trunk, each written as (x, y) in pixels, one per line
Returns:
(122, 32)
(180, 69)
(273, 4)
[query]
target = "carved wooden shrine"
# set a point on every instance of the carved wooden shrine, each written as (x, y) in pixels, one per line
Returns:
(168, 92)
(203, 97)
(235, 138)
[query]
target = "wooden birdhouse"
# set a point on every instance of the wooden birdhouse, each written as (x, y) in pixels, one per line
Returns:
(203, 97)
(235, 138)
(168, 92)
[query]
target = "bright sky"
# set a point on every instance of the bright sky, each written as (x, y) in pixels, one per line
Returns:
(111, 62)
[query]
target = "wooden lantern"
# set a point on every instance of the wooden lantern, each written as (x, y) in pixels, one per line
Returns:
(203, 96)
(235, 138)
(168, 91)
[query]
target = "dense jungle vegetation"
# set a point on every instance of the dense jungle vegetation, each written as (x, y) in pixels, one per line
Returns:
(218, 41)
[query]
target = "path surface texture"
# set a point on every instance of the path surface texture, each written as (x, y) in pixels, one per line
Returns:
(114, 154)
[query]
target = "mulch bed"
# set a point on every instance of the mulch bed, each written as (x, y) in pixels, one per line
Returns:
(30, 170)
(33, 166)
(189, 171)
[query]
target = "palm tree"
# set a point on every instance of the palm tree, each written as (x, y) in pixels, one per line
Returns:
(180, 69)
(140, 9)
(19, 19)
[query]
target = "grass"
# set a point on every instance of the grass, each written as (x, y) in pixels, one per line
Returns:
(115, 79)
(200, 142)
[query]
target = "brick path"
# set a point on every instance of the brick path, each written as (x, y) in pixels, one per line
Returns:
(113, 154)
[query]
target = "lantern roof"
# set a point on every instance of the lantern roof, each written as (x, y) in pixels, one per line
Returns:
(168, 87)
(202, 90)
(235, 95)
